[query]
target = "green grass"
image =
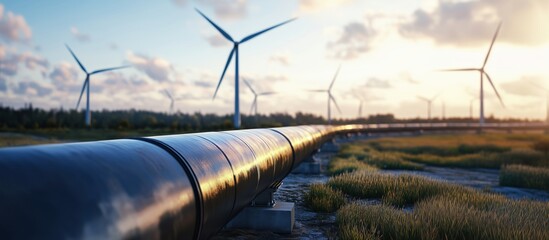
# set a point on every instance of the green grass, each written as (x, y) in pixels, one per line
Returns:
(394, 190)
(524, 176)
(10, 140)
(322, 198)
(440, 210)
(460, 150)
(480, 160)
(339, 165)
(358, 152)
(465, 216)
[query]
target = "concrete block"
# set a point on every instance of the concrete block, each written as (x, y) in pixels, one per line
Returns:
(278, 219)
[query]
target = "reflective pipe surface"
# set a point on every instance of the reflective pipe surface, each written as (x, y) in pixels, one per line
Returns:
(117, 189)
(245, 171)
(214, 179)
(167, 187)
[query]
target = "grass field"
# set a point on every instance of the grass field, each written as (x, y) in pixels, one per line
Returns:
(33, 137)
(438, 210)
(414, 207)
(524, 176)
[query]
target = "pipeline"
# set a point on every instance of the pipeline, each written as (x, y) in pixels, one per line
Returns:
(166, 187)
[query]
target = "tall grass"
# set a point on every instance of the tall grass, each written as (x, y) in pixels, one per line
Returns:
(395, 190)
(524, 176)
(465, 216)
(381, 160)
(480, 160)
(339, 165)
(322, 198)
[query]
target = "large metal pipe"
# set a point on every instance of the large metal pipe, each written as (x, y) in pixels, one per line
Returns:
(167, 187)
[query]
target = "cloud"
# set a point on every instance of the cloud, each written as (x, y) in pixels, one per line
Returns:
(474, 22)
(158, 69)
(525, 86)
(203, 84)
(217, 40)
(65, 77)
(13, 27)
(282, 59)
(317, 5)
(228, 9)
(378, 83)
(355, 40)
(81, 37)
(10, 61)
(32, 88)
(3, 84)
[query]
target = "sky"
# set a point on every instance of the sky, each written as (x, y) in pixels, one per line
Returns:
(390, 52)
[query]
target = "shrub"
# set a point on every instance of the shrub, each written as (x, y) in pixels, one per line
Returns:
(321, 198)
(524, 176)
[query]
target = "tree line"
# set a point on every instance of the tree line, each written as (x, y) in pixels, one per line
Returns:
(29, 117)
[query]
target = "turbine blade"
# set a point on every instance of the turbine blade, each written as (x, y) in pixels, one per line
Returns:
(224, 70)
(333, 80)
(108, 69)
(317, 90)
(225, 34)
(435, 97)
(459, 70)
(168, 93)
(495, 90)
(263, 31)
(253, 105)
(249, 86)
(491, 45)
(82, 92)
(75, 58)
(267, 93)
(335, 103)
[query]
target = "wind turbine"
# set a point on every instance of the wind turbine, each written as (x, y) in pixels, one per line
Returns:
(330, 97)
(429, 102)
(471, 107)
(86, 85)
(482, 74)
(234, 51)
(361, 102)
(256, 95)
(172, 99)
(443, 110)
(546, 103)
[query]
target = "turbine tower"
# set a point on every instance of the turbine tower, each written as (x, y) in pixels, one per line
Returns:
(234, 51)
(86, 85)
(443, 110)
(330, 97)
(361, 102)
(483, 73)
(471, 107)
(429, 102)
(253, 108)
(172, 99)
